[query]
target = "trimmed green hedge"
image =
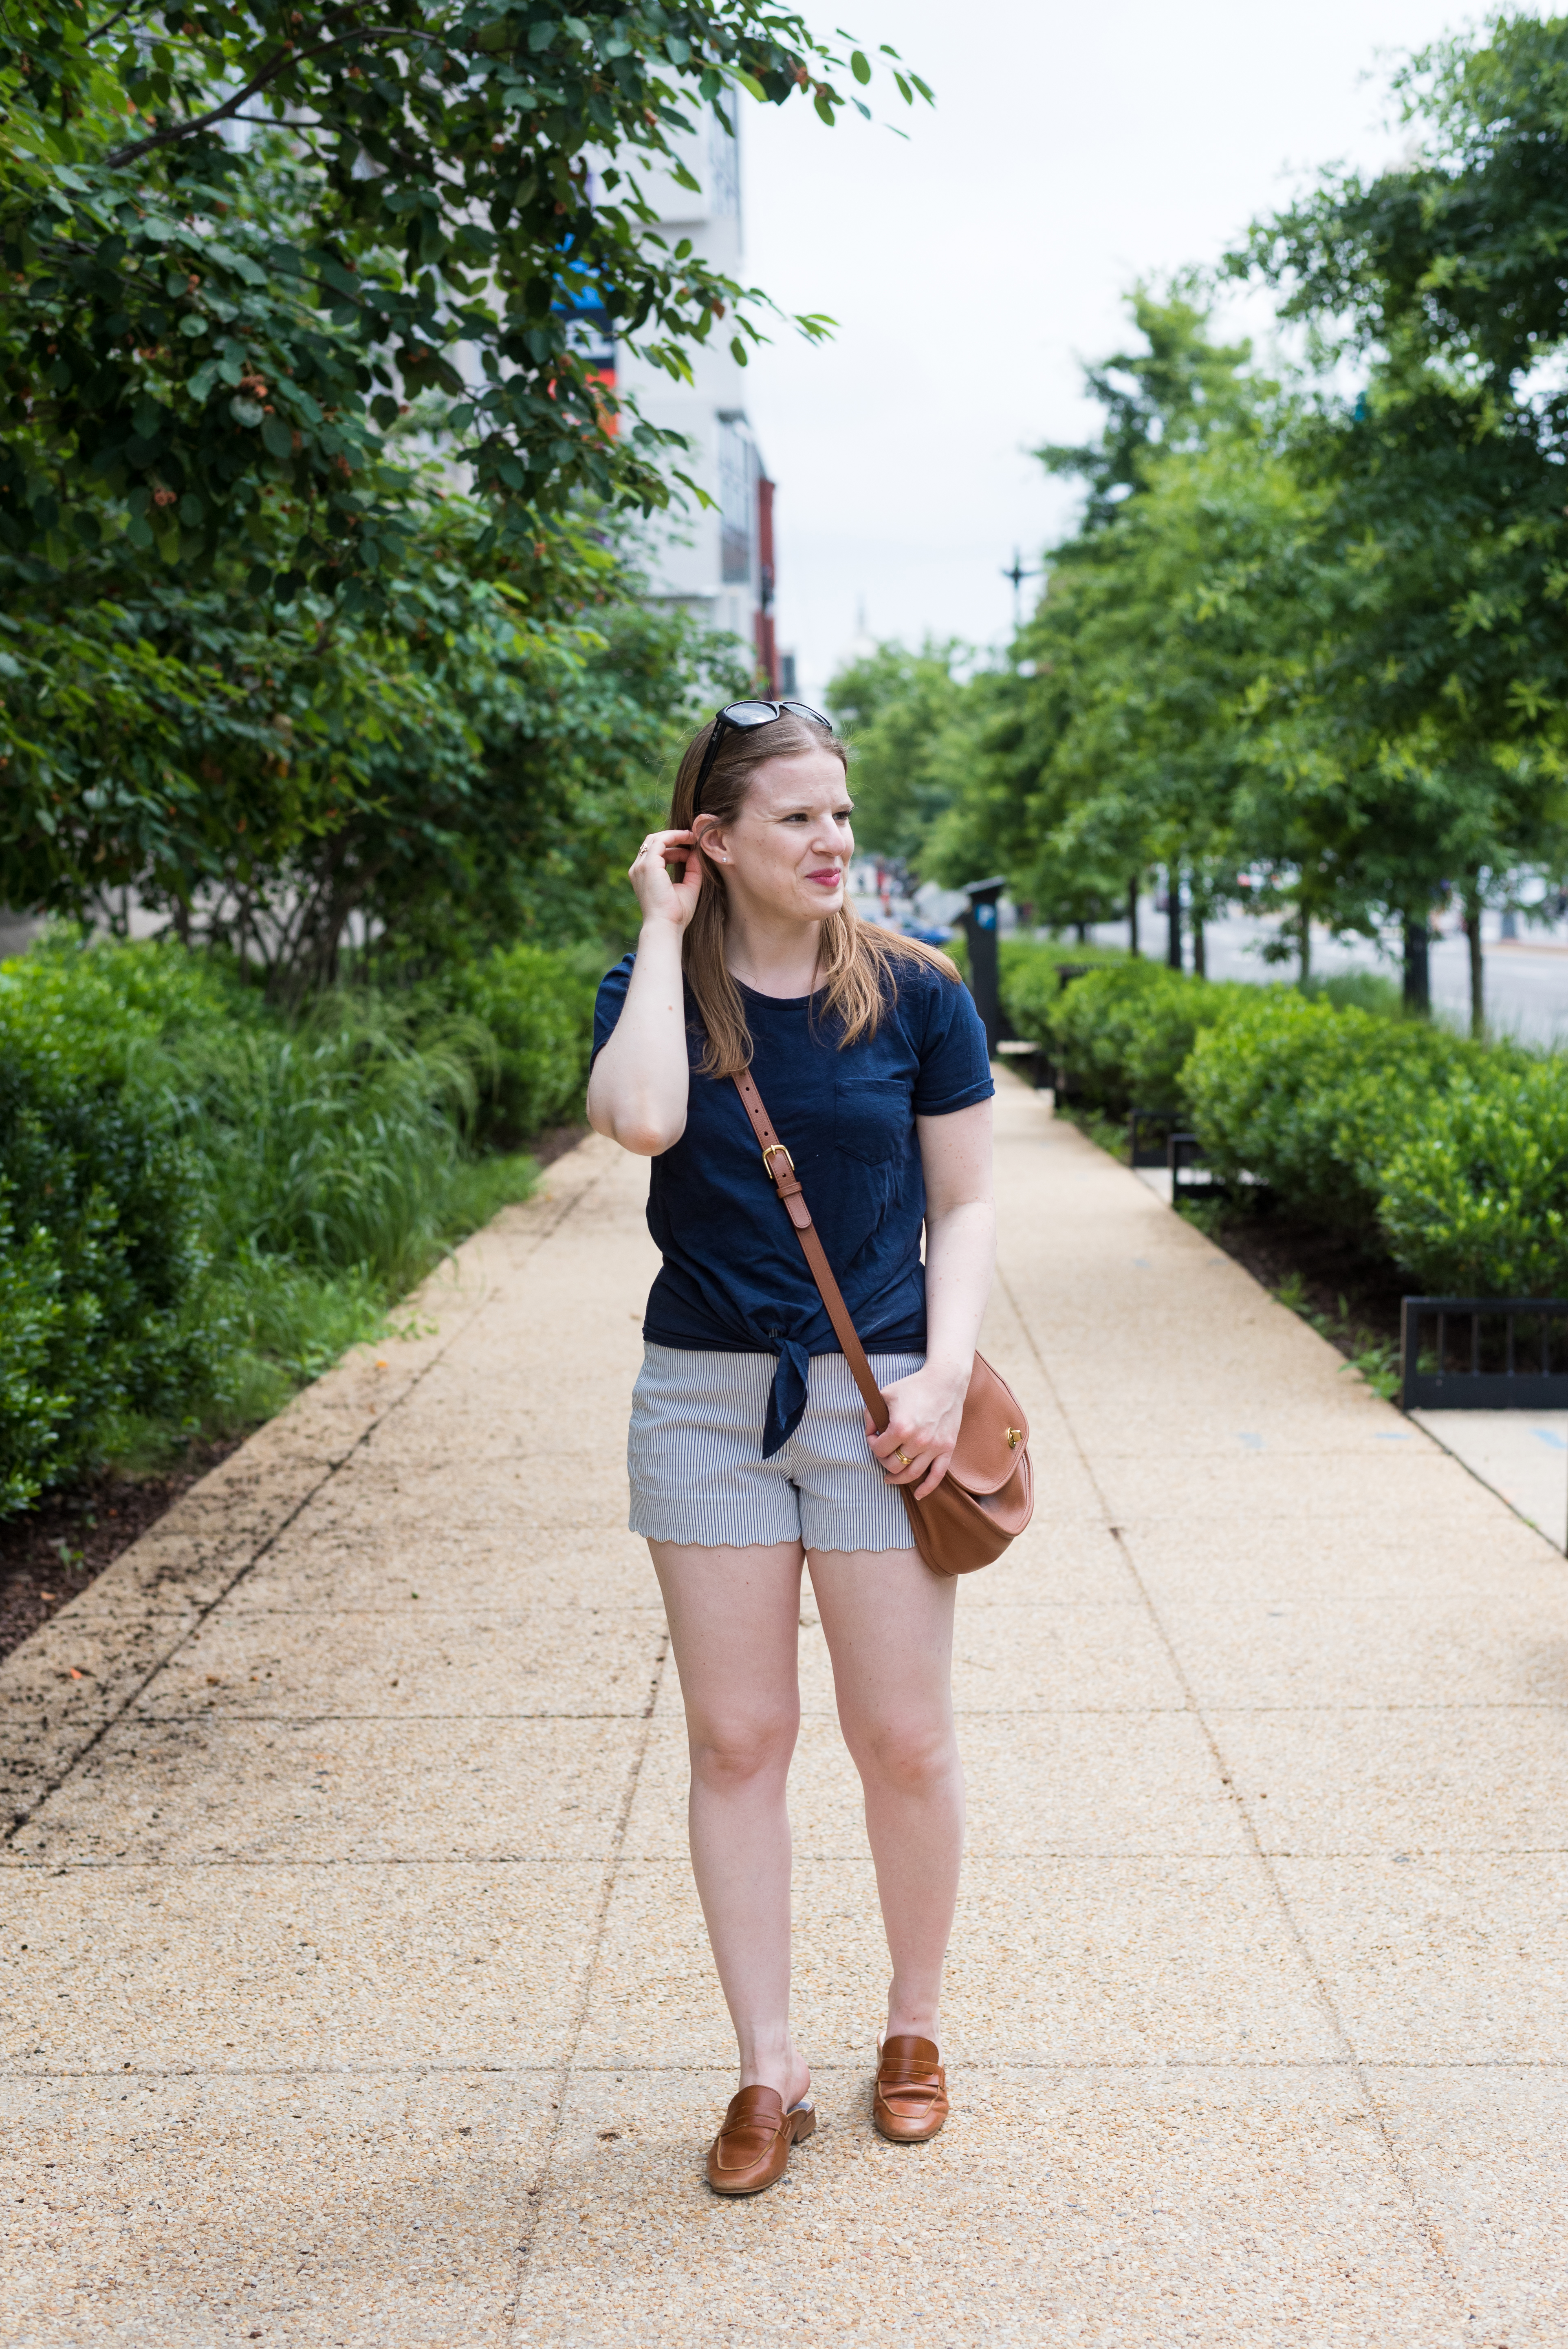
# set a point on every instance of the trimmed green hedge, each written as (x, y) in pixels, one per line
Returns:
(1031, 989)
(1124, 1029)
(1478, 1201)
(1315, 1100)
(202, 1202)
(1450, 1155)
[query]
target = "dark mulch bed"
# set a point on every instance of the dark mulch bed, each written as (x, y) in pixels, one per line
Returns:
(1356, 1294)
(58, 1547)
(554, 1142)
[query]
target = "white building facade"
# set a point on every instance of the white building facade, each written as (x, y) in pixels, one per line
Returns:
(717, 561)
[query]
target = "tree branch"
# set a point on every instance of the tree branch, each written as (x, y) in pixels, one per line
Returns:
(95, 31)
(269, 73)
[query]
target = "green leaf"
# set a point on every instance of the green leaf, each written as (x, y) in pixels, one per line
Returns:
(246, 411)
(276, 437)
(859, 66)
(737, 351)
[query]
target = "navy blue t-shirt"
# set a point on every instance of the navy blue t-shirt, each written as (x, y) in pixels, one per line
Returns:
(734, 1279)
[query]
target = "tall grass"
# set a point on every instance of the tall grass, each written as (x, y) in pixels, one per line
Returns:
(336, 1166)
(203, 1203)
(335, 1142)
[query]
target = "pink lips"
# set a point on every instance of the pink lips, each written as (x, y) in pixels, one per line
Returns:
(829, 879)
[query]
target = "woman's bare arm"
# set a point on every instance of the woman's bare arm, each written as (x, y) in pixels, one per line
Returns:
(637, 1093)
(960, 1257)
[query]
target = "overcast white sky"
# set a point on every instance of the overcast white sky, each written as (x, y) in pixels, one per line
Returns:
(1071, 151)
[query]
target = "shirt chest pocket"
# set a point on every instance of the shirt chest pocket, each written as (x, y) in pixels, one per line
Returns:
(871, 1118)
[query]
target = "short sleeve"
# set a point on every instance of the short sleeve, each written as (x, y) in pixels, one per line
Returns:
(954, 1066)
(607, 1003)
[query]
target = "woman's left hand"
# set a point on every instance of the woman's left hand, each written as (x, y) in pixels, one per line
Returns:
(916, 1445)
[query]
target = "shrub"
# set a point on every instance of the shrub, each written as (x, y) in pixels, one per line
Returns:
(102, 1238)
(1474, 1200)
(1125, 1031)
(1450, 1155)
(1358, 990)
(538, 1006)
(1031, 989)
(1314, 1100)
(203, 1203)
(32, 1409)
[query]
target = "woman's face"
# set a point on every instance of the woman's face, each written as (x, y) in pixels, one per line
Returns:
(787, 854)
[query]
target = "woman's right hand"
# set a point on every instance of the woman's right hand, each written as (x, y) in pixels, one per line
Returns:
(661, 899)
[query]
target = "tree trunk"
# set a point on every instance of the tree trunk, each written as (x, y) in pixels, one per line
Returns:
(1200, 946)
(1174, 916)
(1417, 989)
(1477, 966)
(1082, 928)
(1132, 917)
(1304, 944)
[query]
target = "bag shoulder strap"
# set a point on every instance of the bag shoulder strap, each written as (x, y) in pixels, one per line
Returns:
(781, 1167)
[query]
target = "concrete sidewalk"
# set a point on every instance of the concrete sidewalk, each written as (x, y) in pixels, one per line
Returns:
(355, 1987)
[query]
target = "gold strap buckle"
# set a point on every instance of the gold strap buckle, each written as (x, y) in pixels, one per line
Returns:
(767, 1154)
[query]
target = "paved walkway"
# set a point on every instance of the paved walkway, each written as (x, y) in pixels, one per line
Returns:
(355, 1990)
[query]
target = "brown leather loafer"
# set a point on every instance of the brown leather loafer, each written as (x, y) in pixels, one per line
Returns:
(752, 2147)
(911, 2100)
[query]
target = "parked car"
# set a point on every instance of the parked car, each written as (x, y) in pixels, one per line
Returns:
(928, 932)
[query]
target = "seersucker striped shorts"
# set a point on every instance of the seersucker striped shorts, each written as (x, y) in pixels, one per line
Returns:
(694, 1453)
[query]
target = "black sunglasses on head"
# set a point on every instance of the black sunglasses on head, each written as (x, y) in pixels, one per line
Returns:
(738, 718)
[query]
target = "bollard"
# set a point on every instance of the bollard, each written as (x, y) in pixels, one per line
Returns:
(980, 930)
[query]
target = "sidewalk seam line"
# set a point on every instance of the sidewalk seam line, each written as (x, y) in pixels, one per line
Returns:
(565, 2070)
(1425, 2223)
(22, 1818)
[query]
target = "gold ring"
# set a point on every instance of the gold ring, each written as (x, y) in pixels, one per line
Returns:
(902, 1454)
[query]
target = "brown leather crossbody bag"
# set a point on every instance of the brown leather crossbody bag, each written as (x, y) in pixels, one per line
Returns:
(987, 1496)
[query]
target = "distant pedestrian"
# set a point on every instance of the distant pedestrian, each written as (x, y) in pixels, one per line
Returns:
(750, 1450)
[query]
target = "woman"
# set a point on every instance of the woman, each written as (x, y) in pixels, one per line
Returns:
(750, 1449)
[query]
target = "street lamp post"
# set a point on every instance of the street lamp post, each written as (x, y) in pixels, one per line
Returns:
(1018, 574)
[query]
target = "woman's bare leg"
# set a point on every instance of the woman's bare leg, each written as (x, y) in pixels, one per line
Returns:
(733, 1617)
(889, 1626)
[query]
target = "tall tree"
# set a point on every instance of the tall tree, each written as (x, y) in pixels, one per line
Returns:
(910, 722)
(1443, 277)
(1109, 746)
(293, 371)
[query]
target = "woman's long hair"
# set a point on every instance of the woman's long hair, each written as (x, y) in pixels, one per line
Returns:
(858, 964)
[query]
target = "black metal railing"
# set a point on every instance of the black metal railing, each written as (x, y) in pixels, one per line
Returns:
(1191, 1176)
(1142, 1150)
(1484, 1353)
